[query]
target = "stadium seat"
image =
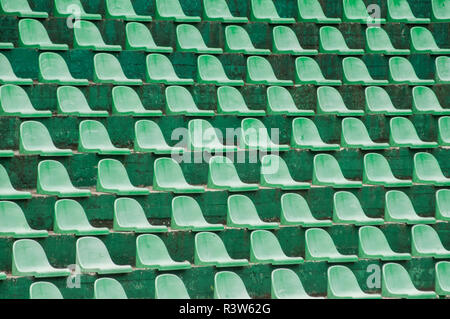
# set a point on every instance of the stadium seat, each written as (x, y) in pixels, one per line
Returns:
(70, 218)
(311, 11)
(378, 42)
(443, 204)
(295, 211)
(308, 72)
(222, 174)
(280, 102)
(123, 9)
(15, 102)
(7, 191)
(187, 215)
(444, 131)
(126, 101)
(285, 41)
(399, 209)
(376, 171)
(231, 102)
(265, 11)
(374, 245)
(44, 290)
(327, 172)
(329, 101)
(92, 256)
(202, 136)
(210, 251)
(266, 249)
(355, 135)
(169, 286)
(319, 246)
(427, 170)
(189, 39)
(254, 136)
(149, 138)
(396, 283)
(138, 37)
(442, 282)
(160, 70)
(107, 69)
(108, 288)
(211, 71)
(242, 213)
(7, 75)
(378, 101)
(400, 11)
(425, 101)
(67, 8)
(2, 276)
(285, 284)
(228, 285)
(440, 10)
(425, 242)
(260, 71)
(53, 69)
(32, 34)
(237, 40)
(332, 41)
(112, 177)
(20, 8)
(53, 179)
(71, 101)
(179, 101)
(404, 134)
(217, 10)
(275, 173)
(151, 252)
(347, 210)
(87, 36)
(35, 139)
(130, 217)
(94, 138)
(172, 10)
(29, 259)
(305, 135)
(356, 11)
(14, 224)
(355, 72)
(401, 71)
(168, 176)
(442, 73)
(6, 46)
(422, 41)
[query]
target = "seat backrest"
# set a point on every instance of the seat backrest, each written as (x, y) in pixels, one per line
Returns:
(5, 183)
(422, 39)
(372, 240)
(341, 280)
(279, 98)
(403, 129)
(15, 6)
(355, 68)
(148, 133)
(319, 241)
(355, 9)
(310, 9)
(230, 99)
(443, 203)
(53, 174)
(377, 167)
(107, 65)
(189, 36)
(254, 132)
(259, 68)
(12, 217)
(331, 38)
(378, 39)
(112, 173)
(44, 290)
(308, 69)
(108, 288)
(426, 165)
(125, 99)
(87, 33)
(237, 38)
(66, 7)
(151, 249)
(120, 7)
(241, 210)
(138, 35)
(305, 132)
(179, 99)
(329, 98)
(285, 38)
(396, 277)
(424, 98)
(169, 8)
(32, 31)
(354, 131)
(35, 136)
(399, 205)
(426, 239)
(443, 66)
(209, 246)
(159, 66)
(294, 206)
(347, 206)
(263, 9)
(186, 211)
(201, 133)
(14, 99)
(167, 170)
(325, 165)
(441, 9)
(285, 283)
(401, 68)
(273, 168)
(216, 8)
(399, 9)
(228, 285)
(91, 251)
(444, 129)
(222, 170)
(28, 254)
(128, 212)
(264, 243)
(53, 66)
(71, 99)
(6, 70)
(70, 214)
(377, 99)
(210, 67)
(93, 135)
(169, 286)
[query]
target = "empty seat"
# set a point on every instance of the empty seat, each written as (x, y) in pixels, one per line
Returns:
(319, 246)
(422, 41)
(285, 41)
(378, 101)
(123, 9)
(126, 101)
(169, 286)
(108, 288)
(71, 101)
(356, 11)
(202, 136)
(70, 218)
(172, 10)
(425, 242)
(427, 170)
(32, 34)
(187, 215)
(440, 10)
(149, 138)
(222, 174)
(211, 71)
(356, 73)
(92, 256)
(231, 102)
(107, 69)
(112, 177)
(355, 135)
(2, 276)
(376, 171)
(210, 251)
(295, 211)
(53, 69)
(254, 136)
(20, 8)
(53, 179)
(347, 210)
(13, 222)
(443, 204)
(275, 173)
(307, 71)
(7, 75)
(378, 42)
(66, 8)
(332, 41)
(94, 138)
(280, 102)
(442, 73)
(151, 252)
(160, 70)
(374, 245)
(311, 11)
(217, 10)
(228, 285)
(285, 284)
(179, 101)
(444, 131)
(29, 259)
(400, 11)
(138, 37)
(425, 101)
(260, 71)
(305, 135)
(189, 39)
(14, 101)
(265, 11)
(342, 284)
(44, 290)
(35, 139)
(87, 36)
(7, 191)
(237, 40)
(6, 45)
(329, 101)
(399, 209)
(404, 134)
(442, 281)
(242, 213)
(401, 71)
(327, 172)
(265, 249)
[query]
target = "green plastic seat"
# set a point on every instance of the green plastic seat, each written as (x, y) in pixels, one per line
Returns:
(2, 276)
(168, 176)
(425, 101)
(444, 131)
(126, 101)
(29, 259)
(44, 290)
(378, 101)
(228, 285)
(376, 171)
(311, 11)
(169, 286)
(327, 172)
(442, 282)
(202, 136)
(187, 215)
(266, 249)
(443, 204)
(130, 217)
(20, 8)
(222, 174)
(354, 134)
(35, 139)
(356, 73)
(319, 246)
(307, 71)
(329, 101)
(112, 177)
(138, 37)
(237, 40)
(6, 153)
(210, 251)
(7, 191)
(15, 102)
(265, 11)
(442, 73)
(242, 213)
(332, 41)
(189, 39)
(342, 284)
(7, 75)
(356, 11)
(92, 256)
(425, 242)
(151, 252)
(440, 10)
(285, 284)
(254, 136)
(179, 101)
(396, 283)
(13, 222)
(347, 210)
(259, 71)
(71, 101)
(53, 179)
(123, 9)
(400, 11)
(217, 10)
(427, 170)
(149, 138)
(378, 42)
(94, 138)
(32, 34)
(275, 173)
(172, 10)
(6, 45)
(374, 245)
(160, 70)
(285, 41)
(296, 212)
(211, 71)
(107, 69)
(399, 209)
(67, 8)
(53, 69)
(305, 135)
(87, 36)
(422, 41)
(108, 288)
(70, 218)
(231, 102)
(401, 71)
(404, 134)
(280, 102)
